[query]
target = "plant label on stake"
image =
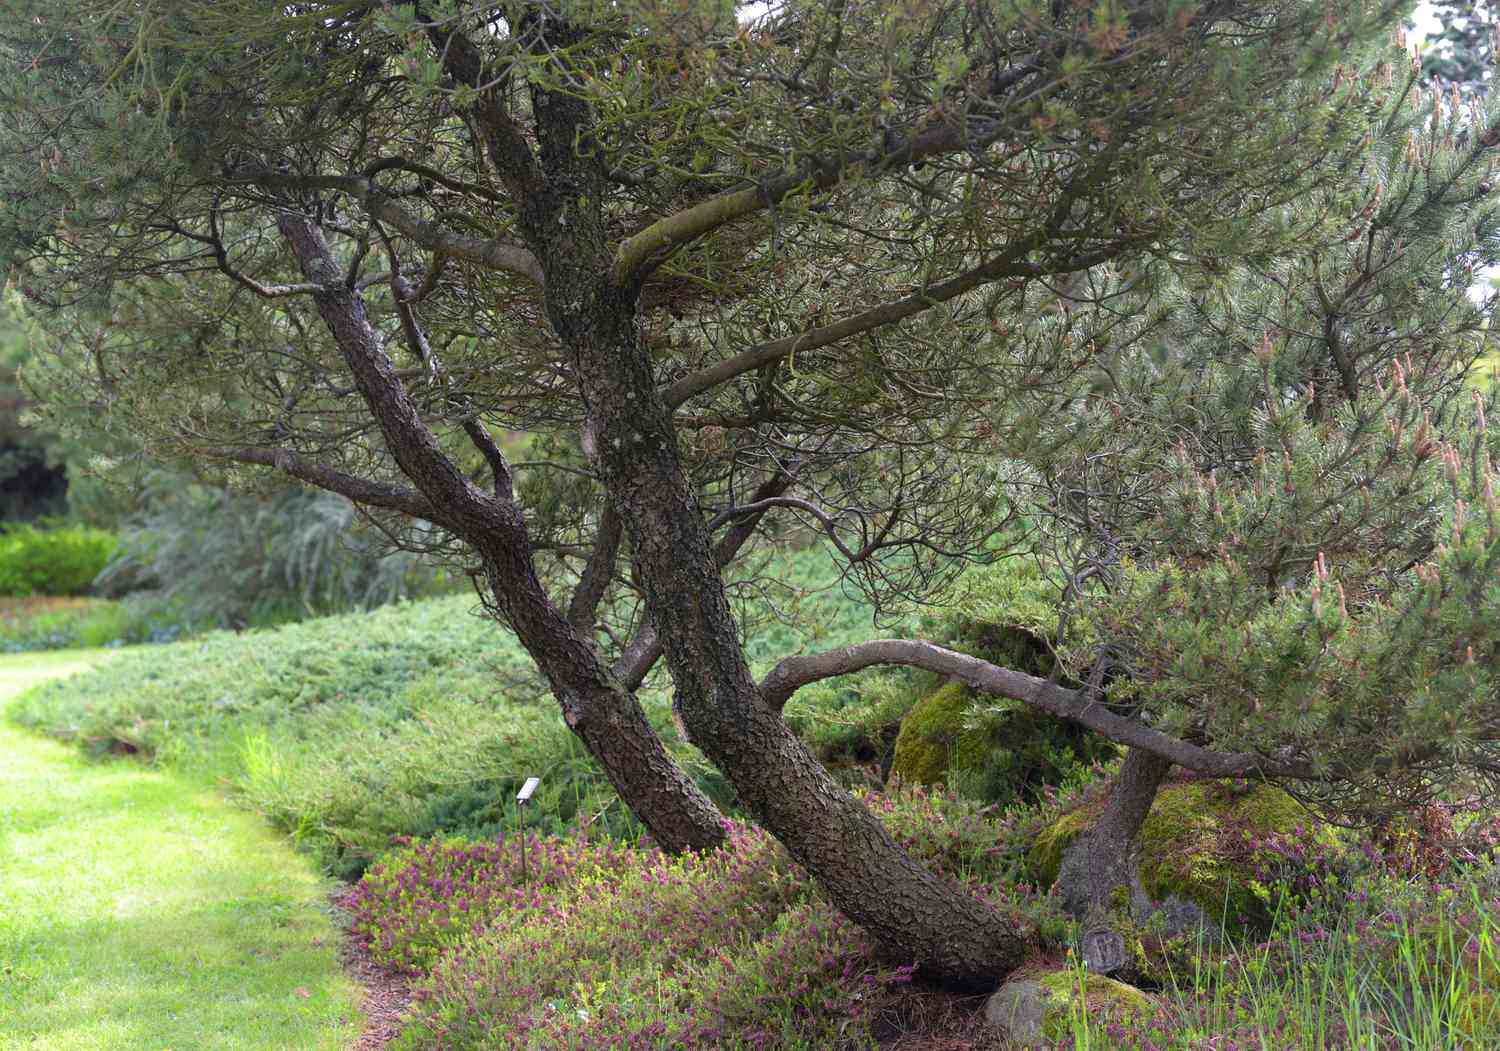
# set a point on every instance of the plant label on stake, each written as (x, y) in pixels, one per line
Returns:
(522, 798)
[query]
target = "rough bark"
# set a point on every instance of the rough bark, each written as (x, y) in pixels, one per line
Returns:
(1101, 863)
(604, 715)
(644, 650)
(591, 297)
(1078, 705)
(905, 907)
(910, 912)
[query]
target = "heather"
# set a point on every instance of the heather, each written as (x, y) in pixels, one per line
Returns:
(428, 896)
(1386, 942)
(604, 947)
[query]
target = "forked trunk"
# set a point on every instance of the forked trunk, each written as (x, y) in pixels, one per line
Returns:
(604, 715)
(912, 914)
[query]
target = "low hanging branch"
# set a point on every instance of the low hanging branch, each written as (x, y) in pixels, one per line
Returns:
(1078, 706)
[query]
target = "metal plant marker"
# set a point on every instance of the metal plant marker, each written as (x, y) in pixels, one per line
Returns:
(522, 798)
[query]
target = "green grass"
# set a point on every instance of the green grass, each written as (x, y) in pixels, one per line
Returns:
(413, 719)
(138, 911)
(343, 731)
(1384, 965)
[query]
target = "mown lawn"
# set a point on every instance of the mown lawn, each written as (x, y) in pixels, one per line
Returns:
(140, 911)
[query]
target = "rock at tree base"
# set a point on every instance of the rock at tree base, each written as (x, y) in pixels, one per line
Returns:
(1196, 854)
(1037, 1009)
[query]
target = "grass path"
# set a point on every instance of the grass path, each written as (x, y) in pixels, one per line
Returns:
(140, 911)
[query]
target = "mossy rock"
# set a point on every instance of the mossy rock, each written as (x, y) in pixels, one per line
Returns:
(996, 757)
(933, 737)
(1037, 1009)
(1196, 851)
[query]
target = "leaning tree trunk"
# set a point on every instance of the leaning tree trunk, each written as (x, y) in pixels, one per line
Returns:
(1100, 864)
(595, 705)
(911, 913)
(605, 716)
(559, 186)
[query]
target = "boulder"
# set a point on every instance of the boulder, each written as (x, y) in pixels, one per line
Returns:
(1196, 854)
(956, 738)
(1037, 1009)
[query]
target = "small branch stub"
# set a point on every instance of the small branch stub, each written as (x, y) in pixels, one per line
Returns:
(1103, 949)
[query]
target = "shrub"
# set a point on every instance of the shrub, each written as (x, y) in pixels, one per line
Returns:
(345, 779)
(607, 948)
(429, 896)
(238, 559)
(46, 623)
(63, 560)
(416, 719)
(980, 846)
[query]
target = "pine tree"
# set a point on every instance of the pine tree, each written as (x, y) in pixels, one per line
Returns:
(1463, 52)
(1178, 286)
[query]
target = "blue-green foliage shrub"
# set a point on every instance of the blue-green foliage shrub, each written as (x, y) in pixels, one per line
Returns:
(233, 559)
(86, 623)
(63, 560)
(412, 719)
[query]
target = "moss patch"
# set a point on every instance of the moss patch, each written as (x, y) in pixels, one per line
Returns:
(933, 737)
(1041, 1008)
(1045, 857)
(1101, 997)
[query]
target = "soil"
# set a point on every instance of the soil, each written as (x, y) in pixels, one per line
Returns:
(387, 992)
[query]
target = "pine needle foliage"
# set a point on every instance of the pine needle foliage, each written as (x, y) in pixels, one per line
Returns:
(1275, 496)
(1174, 292)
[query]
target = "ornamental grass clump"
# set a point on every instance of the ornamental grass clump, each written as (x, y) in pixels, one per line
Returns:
(1373, 961)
